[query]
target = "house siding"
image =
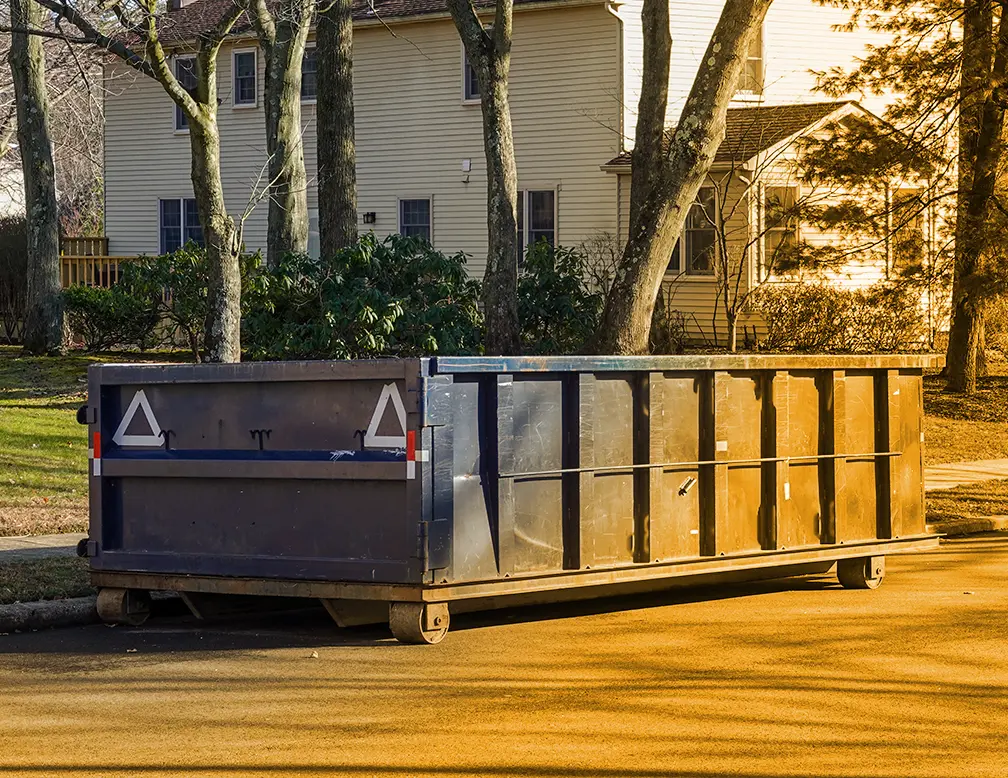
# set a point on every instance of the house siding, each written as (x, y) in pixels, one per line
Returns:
(798, 38)
(413, 133)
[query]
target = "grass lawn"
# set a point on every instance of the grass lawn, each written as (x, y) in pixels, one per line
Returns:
(44, 579)
(43, 451)
(958, 428)
(989, 498)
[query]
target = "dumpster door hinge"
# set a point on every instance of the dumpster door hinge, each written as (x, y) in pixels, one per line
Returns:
(434, 545)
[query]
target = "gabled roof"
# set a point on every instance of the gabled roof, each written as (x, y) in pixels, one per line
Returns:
(751, 130)
(186, 23)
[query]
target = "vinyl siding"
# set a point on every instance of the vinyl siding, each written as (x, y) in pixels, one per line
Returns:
(798, 37)
(413, 133)
(696, 295)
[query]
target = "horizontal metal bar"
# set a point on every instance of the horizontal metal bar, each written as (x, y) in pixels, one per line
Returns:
(699, 463)
(600, 580)
(698, 566)
(689, 362)
(321, 370)
(249, 468)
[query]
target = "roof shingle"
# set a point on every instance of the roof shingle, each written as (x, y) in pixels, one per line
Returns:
(186, 23)
(750, 130)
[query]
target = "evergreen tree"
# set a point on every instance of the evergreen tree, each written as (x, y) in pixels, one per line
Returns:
(945, 62)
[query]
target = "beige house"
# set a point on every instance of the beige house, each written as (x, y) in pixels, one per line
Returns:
(575, 83)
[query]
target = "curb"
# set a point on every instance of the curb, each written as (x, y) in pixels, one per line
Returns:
(28, 616)
(971, 526)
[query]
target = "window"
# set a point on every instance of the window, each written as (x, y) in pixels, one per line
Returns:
(536, 217)
(245, 78)
(470, 84)
(908, 234)
(699, 239)
(309, 75)
(179, 224)
(314, 245)
(780, 225)
(185, 72)
(415, 219)
(752, 71)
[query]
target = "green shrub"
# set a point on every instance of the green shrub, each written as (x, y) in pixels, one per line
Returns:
(396, 297)
(558, 310)
(175, 285)
(822, 317)
(105, 318)
(13, 276)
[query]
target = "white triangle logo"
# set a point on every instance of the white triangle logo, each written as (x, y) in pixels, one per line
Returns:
(122, 439)
(371, 438)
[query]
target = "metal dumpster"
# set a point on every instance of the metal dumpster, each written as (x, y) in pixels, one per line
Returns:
(405, 489)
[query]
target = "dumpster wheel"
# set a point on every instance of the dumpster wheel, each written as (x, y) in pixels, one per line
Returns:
(861, 573)
(417, 622)
(129, 607)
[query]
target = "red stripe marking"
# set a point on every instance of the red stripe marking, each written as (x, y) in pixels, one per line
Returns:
(411, 445)
(97, 445)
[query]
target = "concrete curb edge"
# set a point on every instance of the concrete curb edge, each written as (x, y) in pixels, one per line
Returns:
(971, 526)
(27, 616)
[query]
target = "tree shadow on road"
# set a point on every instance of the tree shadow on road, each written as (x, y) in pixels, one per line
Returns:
(171, 629)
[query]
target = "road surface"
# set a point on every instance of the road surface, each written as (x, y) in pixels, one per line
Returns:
(772, 679)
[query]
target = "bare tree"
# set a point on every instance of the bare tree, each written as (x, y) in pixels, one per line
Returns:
(336, 153)
(282, 36)
(489, 53)
(112, 31)
(43, 327)
(665, 179)
(74, 88)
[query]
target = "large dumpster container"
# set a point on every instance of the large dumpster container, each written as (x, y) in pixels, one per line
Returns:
(429, 485)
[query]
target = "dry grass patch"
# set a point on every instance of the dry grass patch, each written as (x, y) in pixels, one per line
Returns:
(958, 428)
(19, 520)
(987, 498)
(54, 578)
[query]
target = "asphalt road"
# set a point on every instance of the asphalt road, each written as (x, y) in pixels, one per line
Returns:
(773, 679)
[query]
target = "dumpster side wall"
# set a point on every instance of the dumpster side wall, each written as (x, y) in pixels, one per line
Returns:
(586, 470)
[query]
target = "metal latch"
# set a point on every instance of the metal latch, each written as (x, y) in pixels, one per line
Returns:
(435, 544)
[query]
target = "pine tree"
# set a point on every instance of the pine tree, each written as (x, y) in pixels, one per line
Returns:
(945, 61)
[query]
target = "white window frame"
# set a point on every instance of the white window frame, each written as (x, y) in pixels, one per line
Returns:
(235, 105)
(310, 100)
(430, 199)
(176, 109)
(466, 99)
(182, 214)
(685, 270)
(765, 270)
(526, 211)
(755, 94)
(313, 220)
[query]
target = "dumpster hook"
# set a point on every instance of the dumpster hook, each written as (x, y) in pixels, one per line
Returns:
(259, 434)
(166, 434)
(360, 434)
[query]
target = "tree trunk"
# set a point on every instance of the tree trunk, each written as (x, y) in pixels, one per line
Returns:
(489, 52)
(662, 208)
(337, 157)
(283, 44)
(500, 279)
(223, 244)
(43, 327)
(980, 151)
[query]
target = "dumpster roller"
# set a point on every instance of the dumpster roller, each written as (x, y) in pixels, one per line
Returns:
(405, 490)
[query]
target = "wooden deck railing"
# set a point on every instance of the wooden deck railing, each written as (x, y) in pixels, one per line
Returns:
(90, 271)
(84, 246)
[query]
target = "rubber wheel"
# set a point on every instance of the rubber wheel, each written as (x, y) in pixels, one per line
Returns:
(861, 573)
(130, 607)
(406, 620)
